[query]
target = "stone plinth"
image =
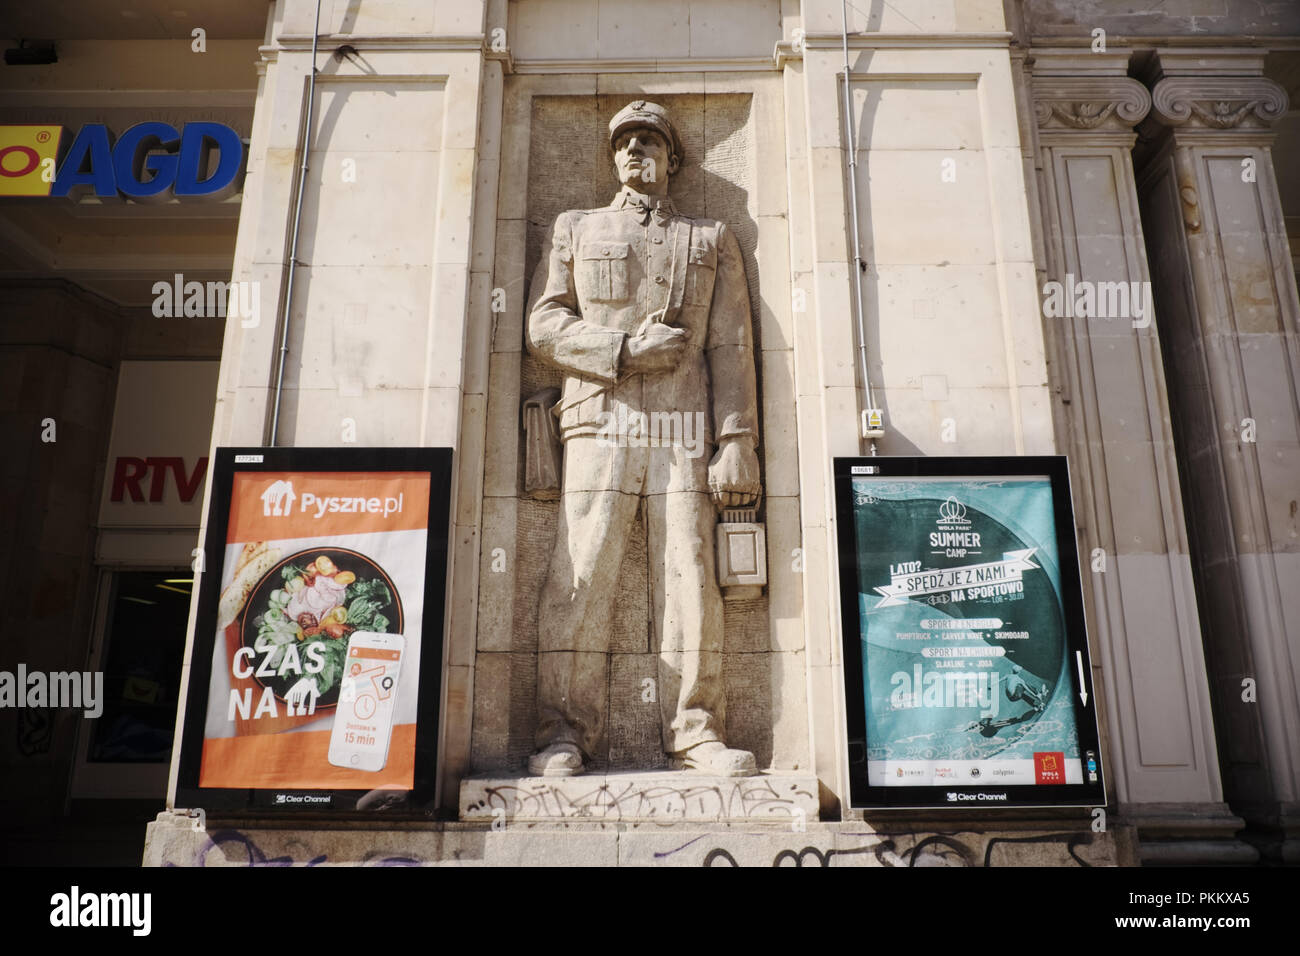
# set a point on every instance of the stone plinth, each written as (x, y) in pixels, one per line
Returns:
(172, 841)
(653, 796)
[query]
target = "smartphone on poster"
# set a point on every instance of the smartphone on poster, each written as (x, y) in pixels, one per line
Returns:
(363, 720)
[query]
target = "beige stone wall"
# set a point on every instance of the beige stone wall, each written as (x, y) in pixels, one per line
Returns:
(955, 346)
(954, 339)
(378, 326)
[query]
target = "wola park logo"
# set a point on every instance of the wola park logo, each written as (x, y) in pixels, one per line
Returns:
(954, 538)
(952, 514)
(149, 162)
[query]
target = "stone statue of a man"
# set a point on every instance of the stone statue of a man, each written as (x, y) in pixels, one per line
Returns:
(647, 313)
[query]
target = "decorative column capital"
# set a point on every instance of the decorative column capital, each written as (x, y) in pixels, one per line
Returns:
(1089, 103)
(1218, 102)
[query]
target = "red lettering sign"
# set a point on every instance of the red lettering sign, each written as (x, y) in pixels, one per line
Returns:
(188, 487)
(128, 473)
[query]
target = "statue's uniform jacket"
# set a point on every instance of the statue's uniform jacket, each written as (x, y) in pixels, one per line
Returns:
(602, 273)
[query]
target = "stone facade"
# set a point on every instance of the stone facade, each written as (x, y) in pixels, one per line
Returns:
(998, 147)
(472, 130)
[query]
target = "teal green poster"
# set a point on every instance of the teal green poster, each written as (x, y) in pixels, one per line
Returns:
(966, 666)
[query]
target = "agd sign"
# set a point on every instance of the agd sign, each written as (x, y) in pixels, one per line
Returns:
(150, 161)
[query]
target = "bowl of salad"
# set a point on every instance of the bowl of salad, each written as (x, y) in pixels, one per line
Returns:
(303, 611)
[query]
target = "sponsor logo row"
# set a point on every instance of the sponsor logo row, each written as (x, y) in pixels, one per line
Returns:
(1045, 768)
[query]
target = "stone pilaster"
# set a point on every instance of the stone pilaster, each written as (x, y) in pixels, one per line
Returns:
(1223, 276)
(61, 348)
(1109, 402)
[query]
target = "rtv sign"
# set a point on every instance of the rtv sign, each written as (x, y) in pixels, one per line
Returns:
(149, 162)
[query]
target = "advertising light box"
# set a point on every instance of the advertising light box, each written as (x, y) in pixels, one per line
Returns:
(317, 651)
(966, 664)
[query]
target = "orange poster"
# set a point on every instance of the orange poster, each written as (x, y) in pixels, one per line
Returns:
(316, 652)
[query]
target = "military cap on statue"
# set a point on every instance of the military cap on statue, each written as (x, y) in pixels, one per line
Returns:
(646, 114)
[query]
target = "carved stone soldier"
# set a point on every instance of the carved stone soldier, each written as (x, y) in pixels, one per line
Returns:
(647, 313)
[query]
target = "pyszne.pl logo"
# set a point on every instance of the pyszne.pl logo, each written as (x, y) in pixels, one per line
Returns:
(279, 496)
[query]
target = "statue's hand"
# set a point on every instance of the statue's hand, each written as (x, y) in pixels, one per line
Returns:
(733, 474)
(658, 348)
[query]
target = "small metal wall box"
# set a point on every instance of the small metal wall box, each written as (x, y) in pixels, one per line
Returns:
(742, 554)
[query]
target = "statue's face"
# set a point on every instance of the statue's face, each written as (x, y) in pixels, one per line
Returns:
(643, 159)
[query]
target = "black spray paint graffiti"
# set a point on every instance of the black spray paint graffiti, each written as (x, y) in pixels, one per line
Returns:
(35, 730)
(934, 850)
(239, 849)
(235, 848)
(613, 802)
(1072, 842)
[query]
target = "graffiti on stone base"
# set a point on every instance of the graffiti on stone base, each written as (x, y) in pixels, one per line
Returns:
(615, 801)
(235, 848)
(932, 850)
(1072, 842)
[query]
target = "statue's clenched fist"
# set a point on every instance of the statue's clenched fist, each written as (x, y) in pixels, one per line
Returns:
(733, 474)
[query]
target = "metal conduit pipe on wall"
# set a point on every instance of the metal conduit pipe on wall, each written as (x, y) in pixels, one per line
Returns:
(304, 143)
(871, 421)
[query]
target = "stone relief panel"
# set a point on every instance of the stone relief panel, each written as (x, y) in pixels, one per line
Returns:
(570, 166)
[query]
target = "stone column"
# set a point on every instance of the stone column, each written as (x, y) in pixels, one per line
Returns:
(1223, 275)
(458, 674)
(1109, 402)
(59, 352)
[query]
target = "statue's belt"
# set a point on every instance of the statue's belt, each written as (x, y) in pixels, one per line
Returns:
(591, 388)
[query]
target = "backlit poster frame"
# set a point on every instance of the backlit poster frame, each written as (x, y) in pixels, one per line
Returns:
(960, 575)
(306, 536)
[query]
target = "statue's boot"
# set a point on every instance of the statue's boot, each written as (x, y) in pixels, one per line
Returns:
(557, 760)
(716, 758)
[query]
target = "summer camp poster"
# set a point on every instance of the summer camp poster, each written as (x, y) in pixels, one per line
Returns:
(310, 558)
(965, 658)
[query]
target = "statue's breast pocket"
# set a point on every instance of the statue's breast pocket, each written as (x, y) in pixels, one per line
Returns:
(702, 267)
(603, 271)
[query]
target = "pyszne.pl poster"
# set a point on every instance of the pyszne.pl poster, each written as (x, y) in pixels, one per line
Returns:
(967, 667)
(316, 656)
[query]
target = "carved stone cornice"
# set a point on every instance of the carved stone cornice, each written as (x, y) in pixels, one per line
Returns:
(1218, 102)
(1089, 103)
